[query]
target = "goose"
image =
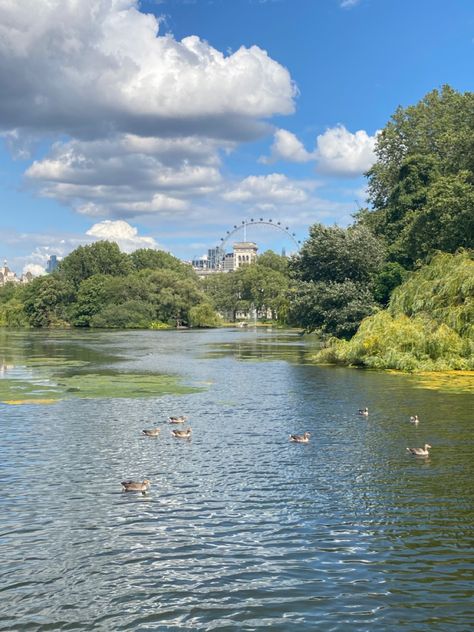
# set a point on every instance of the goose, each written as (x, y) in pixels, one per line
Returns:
(304, 438)
(177, 420)
(420, 451)
(182, 434)
(134, 486)
(363, 411)
(151, 432)
(414, 419)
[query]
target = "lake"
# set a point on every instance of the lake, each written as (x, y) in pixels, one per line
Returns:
(241, 529)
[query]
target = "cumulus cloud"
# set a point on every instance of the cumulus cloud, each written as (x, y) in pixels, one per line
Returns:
(286, 146)
(122, 233)
(104, 67)
(274, 188)
(34, 268)
(340, 152)
(126, 176)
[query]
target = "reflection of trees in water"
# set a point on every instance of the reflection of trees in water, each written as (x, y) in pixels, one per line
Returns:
(291, 348)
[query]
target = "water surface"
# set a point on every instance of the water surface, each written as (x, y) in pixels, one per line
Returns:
(241, 530)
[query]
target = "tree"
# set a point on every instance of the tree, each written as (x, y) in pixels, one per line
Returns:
(441, 125)
(333, 254)
(91, 298)
(331, 308)
(102, 257)
(129, 315)
(148, 258)
(270, 259)
(203, 315)
(47, 300)
(421, 186)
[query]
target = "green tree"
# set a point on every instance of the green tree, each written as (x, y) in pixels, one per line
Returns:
(270, 259)
(203, 315)
(331, 308)
(333, 254)
(421, 186)
(102, 257)
(91, 298)
(129, 315)
(47, 300)
(148, 258)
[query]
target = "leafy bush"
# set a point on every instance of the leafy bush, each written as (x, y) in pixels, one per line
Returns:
(203, 315)
(427, 326)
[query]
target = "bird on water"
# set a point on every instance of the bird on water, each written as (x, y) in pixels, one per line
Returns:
(304, 438)
(136, 486)
(420, 451)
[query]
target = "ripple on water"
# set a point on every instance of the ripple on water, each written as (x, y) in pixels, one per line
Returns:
(241, 529)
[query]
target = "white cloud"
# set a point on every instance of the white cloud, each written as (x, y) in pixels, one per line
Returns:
(104, 66)
(270, 189)
(126, 175)
(286, 146)
(338, 152)
(35, 268)
(122, 233)
(342, 153)
(346, 4)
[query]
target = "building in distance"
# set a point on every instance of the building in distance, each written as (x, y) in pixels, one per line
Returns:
(217, 260)
(8, 276)
(52, 264)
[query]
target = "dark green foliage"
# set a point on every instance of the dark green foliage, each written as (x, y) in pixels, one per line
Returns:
(421, 186)
(102, 257)
(131, 314)
(148, 258)
(390, 276)
(46, 301)
(333, 254)
(256, 286)
(336, 270)
(331, 308)
(91, 298)
(270, 259)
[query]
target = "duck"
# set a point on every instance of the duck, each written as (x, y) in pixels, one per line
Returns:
(304, 438)
(136, 486)
(420, 451)
(363, 411)
(151, 432)
(182, 434)
(177, 420)
(414, 419)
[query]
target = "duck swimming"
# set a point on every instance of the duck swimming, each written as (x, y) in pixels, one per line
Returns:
(177, 420)
(363, 411)
(134, 486)
(182, 434)
(151, 432)
(304, 438)
(420, 451)
(414, 419)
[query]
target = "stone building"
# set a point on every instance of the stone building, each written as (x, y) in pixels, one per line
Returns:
(245, 252)
(8, 276)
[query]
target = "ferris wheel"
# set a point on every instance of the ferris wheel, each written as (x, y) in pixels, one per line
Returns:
(277, 225)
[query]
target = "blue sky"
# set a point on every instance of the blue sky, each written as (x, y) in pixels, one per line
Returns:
(164, 123)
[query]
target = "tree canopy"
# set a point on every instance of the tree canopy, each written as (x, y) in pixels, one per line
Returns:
(421, 185)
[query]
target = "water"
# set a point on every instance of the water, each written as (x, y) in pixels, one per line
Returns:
(241, 530)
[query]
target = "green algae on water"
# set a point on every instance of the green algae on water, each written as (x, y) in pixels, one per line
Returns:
(91, 386)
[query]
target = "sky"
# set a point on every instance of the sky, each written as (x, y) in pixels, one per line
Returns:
(165, 123)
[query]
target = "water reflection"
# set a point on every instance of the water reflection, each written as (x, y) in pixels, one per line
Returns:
(241, 530)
